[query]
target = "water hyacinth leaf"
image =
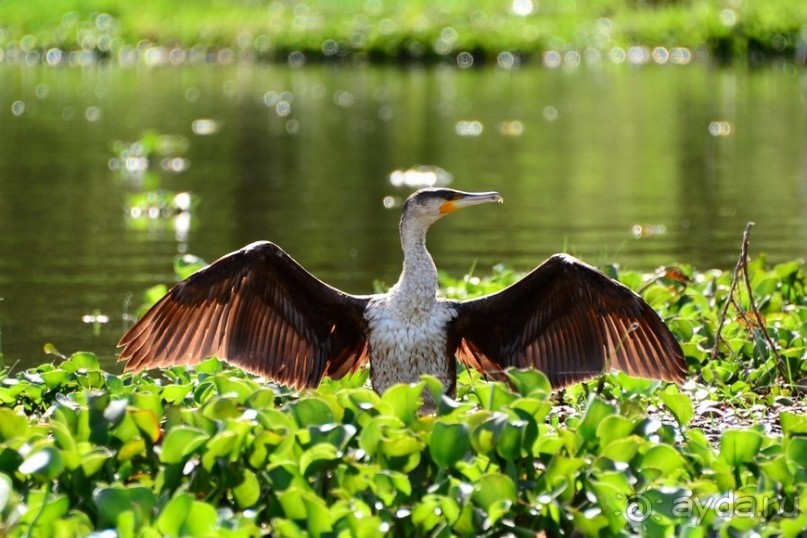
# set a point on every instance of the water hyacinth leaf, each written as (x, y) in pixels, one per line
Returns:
(12, 425)
(510, 440)
(274, 419)
(180, 442)
(449, 443)
(242, 389)
(82, 361)
(528, 381)
(796, 451)
(311, 411)
(561, 472)
(680, 405)
(793, 424)
(613, 428)
(184, 516)
(47, 463)
(222, 408)
(44, 510)
(55, 378)
(620, 449)
(634, 385)
(147, 423)
(376, 430)
(211, 365)
(392, 486)
(304, 506)
(261, 398)
(338, 435)
(597, 410)
(174, 394)
(221, 445)
(404, 400)
(664, 458)
(612, 502)
(316, 458)
(248, 491)
(94, 460)
(738, 447)
(266, 443)
(494, 488)
(147, 400)
(494, 396)
(401, 450)
(113, 502)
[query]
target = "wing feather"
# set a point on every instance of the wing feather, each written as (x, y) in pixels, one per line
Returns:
(259, 309)
(570, 321)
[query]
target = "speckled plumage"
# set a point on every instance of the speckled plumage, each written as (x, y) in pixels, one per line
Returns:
(408, 335)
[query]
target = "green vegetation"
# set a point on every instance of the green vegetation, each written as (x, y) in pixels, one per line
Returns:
(387, 29)
(214, 451)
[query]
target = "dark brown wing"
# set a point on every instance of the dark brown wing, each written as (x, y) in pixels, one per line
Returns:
(570, 321)
(259, 309)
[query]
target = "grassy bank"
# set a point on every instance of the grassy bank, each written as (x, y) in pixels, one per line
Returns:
(216, 452)
(386, 30)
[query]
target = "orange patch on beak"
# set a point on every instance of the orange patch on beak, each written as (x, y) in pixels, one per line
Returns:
(447, 207)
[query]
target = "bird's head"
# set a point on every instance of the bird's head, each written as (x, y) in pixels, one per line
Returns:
(429, 205)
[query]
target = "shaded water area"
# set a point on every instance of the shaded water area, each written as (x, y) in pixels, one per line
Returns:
(641, 167)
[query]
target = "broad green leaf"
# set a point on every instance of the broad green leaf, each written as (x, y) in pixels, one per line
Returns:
(184, 516)
(47, 463)
(664, 458)
(147, 423)
(614, 427)
(596, 411)
(311, 411)
(739, 446)
(81, 360)
(113, 502)
(404, 400)
(248, 491)
(493, 488)
(528, 381)
(242, 389)
(679, 405)
(317, 457)
(792, 423)
(12, 425)
(180, 442)
(449, 443)
(796, 451)
(495, 396)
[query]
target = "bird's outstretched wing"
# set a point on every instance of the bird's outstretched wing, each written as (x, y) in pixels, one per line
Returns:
(570, 321)
(259, 309)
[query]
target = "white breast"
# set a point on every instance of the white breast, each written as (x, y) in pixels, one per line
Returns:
(407, 341)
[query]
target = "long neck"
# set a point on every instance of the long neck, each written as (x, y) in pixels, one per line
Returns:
(418, 281)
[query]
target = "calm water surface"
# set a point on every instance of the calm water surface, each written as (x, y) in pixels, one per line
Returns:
(640, 167)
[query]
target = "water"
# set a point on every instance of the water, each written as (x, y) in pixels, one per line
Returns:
(642, 167)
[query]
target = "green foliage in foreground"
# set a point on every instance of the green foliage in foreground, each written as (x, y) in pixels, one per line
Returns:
(215, 452)
(404, 29)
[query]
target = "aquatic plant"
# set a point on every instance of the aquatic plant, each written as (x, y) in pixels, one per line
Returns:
(212, 450)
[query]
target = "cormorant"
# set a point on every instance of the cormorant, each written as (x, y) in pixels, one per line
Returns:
(259, 309)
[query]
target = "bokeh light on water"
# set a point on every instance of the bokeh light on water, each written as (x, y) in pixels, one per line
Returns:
(614, 162)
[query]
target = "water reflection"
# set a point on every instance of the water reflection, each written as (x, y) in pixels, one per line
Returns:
(310, 158)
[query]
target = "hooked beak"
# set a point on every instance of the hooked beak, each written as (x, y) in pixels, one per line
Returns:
(466, 199)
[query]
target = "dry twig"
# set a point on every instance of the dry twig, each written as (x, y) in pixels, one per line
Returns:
(741, 270)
